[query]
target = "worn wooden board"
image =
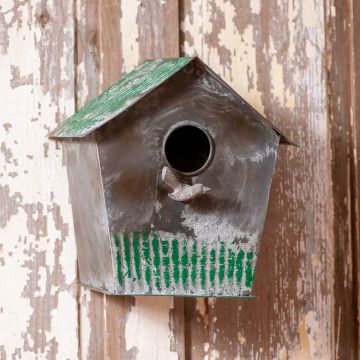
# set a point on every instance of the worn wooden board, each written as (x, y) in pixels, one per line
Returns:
(38, 302)
(125, 327)
(342, 112)
(296, 62)
(355, 95)
(273, 54)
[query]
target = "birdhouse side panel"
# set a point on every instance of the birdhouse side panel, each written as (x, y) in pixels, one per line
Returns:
(90, 217)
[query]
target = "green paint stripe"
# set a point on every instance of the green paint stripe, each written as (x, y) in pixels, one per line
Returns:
(118, 258)
(222, 263)
(212, 266)
(239, 266)
(156, 261)
(203, 262)
(249, 270)
(127, 254)
(184, 264)
(136, 249)
(166, 261)
(175, 260)
(146, 253)
(194, 263)
(231, 264)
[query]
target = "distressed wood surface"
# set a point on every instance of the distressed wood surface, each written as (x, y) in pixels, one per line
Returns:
(125, 327)
(38, 302)
(273, 53)
(342, 113)
(296, 63)
(355, 95)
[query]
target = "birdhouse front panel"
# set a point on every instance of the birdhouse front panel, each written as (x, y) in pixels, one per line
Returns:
(170, 173)
(207, 246)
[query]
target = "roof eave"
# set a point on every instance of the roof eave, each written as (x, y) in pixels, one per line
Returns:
(54, 133)
(283, 138)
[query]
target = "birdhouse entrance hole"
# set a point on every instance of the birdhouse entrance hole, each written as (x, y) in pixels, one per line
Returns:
(188, 149)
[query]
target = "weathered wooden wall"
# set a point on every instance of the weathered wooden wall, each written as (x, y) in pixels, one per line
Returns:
(297, 63)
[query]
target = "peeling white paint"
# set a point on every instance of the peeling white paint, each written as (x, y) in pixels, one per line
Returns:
(309, 17)
(241, 338)
(332, 10)
(63, 329)
(85, 301)
(312, 341)
(15, 308)
(82, 84)
(148, 324)
(241, 74)
(129, 32)
(200, 306)
(193, 25)
(282, 93)
(282, 354)
(38, 259)
(29, 124)
(294, 65)
(255, 6)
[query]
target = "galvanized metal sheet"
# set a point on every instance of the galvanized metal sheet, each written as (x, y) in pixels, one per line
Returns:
(165, 247)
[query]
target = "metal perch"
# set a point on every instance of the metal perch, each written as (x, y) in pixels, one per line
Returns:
(182, 192)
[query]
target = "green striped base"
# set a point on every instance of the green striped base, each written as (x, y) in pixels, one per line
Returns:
(147, 264)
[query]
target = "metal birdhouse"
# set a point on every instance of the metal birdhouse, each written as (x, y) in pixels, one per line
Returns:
(170, 172)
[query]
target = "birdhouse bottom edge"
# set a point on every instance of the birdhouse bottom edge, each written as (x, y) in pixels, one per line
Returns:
(149, 263)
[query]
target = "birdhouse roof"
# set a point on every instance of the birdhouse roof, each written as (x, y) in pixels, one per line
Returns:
(130, 89)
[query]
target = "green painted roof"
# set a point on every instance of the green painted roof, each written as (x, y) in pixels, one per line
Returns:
(128, 90)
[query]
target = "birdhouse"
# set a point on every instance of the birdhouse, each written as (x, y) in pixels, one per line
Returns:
(169, 172)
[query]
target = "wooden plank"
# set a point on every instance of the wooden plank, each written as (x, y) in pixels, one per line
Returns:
(150, 329)
(38, 306)
(114, 37)
(91, 304)
(196, 328)
(355, 151)
(273, 53)
(341, 73)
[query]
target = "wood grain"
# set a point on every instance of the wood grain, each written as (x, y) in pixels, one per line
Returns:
(38, 305)
(355, 27)
(273, 55)
(125, 35)
(295, 62)
(341, 105)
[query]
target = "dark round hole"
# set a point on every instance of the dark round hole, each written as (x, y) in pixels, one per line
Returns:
(187, 149)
